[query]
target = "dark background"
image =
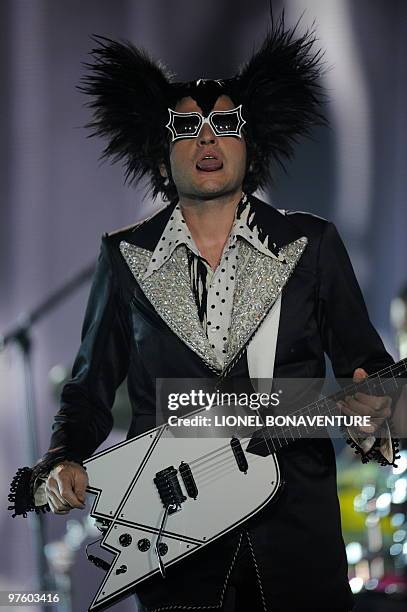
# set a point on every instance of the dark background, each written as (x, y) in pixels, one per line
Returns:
(56, 199)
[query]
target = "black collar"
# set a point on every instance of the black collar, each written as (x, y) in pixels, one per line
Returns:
(276, 225)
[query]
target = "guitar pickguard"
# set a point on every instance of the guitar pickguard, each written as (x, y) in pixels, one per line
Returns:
(129, 502)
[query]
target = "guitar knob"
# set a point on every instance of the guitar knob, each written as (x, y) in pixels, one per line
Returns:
(125, 539)
(163, 549)
(143, 545)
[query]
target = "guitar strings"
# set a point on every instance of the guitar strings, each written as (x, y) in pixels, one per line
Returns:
(345, 391)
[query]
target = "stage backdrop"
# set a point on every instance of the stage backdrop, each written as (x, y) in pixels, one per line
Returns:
(57, 200)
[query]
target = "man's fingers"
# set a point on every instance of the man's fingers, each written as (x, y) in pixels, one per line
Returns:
(357, 407)
(354, 408)
(80, 483)
(362, 404)
(73, 501)
(376, 402)
(367, 429)
(69, 496)
(52, 486)
(59, 489)
(56, 505)
(376, 407)
(359, 374)
(51, 505)
(351, 409)
(65, 482)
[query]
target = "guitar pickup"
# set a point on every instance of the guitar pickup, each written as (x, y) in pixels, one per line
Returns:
(239, 455)
(188, 480)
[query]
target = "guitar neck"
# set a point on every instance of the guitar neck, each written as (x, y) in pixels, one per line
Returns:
(387, 381)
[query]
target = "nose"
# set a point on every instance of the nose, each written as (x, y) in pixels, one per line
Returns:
(206, 136)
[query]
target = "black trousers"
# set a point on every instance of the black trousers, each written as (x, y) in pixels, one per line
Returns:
(244, 592)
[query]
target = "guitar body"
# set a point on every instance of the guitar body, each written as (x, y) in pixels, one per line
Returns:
(216, 489)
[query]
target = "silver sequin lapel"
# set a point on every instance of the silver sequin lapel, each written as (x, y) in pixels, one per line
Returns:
(169, 291)
(259, 281)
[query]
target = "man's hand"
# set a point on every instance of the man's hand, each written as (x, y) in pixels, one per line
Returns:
(65, 487)
(375, 406)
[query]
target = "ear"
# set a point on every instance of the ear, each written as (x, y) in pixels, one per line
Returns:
(163, 170)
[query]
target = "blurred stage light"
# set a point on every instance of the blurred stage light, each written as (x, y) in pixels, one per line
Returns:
(359, 503)
(377, 567)
(399, 495)
(57, 374)
(372, 520)
(371, 584)
(362, 570)
(356, 585)
(399, 535)
(354, 552)
(368, 492)
(398, 313)
(398, 519)
(383, 502)
(396, 549)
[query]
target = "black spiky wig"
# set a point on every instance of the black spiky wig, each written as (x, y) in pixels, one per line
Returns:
(130, 95)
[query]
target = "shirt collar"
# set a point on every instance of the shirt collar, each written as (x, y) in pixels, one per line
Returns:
(176, 233)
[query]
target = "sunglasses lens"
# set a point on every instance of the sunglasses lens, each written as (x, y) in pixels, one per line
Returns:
(186, 126)
(225, 123)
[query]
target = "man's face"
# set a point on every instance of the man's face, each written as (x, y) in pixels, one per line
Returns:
(207, 166)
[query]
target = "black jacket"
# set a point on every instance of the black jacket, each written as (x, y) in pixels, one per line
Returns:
(297, 540)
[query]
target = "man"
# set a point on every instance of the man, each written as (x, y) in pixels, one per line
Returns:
(219, 283)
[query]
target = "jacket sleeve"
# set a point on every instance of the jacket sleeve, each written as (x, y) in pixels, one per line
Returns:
(348, 336)
(84, 419)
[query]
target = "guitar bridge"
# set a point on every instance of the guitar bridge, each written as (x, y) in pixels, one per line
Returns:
(169, 489)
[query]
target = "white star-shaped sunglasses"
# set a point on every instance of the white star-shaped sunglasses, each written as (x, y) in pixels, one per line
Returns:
(188, 125)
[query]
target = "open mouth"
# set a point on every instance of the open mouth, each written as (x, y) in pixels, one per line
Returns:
(209, 163)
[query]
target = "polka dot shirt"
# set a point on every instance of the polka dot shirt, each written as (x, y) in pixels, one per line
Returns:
(213, 290)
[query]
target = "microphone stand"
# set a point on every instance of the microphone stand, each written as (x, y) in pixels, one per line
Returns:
(20, 335)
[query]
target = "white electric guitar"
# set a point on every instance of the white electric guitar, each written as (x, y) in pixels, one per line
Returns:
(160, 498)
